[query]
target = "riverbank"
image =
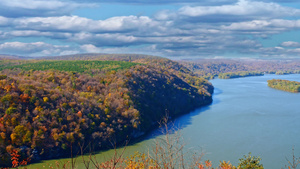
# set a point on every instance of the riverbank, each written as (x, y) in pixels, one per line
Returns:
(285, 85)
(48, 112)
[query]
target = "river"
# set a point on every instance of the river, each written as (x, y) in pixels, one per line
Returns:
(245, 116)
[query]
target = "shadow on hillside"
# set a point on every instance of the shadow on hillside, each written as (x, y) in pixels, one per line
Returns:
(184, 120)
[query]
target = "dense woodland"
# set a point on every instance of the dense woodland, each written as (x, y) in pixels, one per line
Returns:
(239, 74)
(210, 68)
(47, 106)
(285, 85)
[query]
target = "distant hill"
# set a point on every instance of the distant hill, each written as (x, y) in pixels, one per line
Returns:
(2, 57)
(101, 56)
(214, 67)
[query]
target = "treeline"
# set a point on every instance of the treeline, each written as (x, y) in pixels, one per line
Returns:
(285, 85)
(287, 72)
(210, 68)
(99, 56)
(239, 74)
(43, 113)
(74, 66)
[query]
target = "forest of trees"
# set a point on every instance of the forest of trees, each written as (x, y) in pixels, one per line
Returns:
(210, 68)
(239, 74)
(285, 85)
(50, 104)
(46, 107)
(79, 66)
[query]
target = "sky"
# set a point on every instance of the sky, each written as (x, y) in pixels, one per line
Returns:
(168, 28)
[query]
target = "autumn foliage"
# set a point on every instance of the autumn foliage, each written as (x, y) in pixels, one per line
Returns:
(44, 112)
(285, 85)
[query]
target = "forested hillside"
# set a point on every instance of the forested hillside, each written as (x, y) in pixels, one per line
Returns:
(239, 74)
(48, 106)
(227, 68)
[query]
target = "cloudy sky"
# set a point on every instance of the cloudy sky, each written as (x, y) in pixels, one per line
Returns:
(169, 28)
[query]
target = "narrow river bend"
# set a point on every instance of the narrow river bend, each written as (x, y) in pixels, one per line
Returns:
(245, 116)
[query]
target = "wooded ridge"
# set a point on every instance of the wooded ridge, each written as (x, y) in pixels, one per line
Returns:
(48, 106)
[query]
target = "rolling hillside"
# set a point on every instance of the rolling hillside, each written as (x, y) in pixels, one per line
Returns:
(47, 106)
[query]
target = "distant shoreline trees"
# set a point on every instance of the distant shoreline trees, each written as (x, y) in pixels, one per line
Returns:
(210, 68)
(239, 74)
(285, 85)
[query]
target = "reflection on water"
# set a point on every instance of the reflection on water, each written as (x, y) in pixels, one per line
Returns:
(246, 116)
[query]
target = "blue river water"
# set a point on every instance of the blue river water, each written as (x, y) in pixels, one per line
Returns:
(245, 116)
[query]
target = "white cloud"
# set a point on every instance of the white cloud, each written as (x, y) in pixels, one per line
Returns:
(278, 52)
(159, 2)
(150, 50)
(81, 24)
(28, 33)
(25, 47)
(295, 51)
(89, 48)
(251, 25)
(17, 8)
(264, 26)
(3, 21)
(192, 30)
(35, 48)
(241, 8)
(107, 39)
(290, 44)
(34, 4)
